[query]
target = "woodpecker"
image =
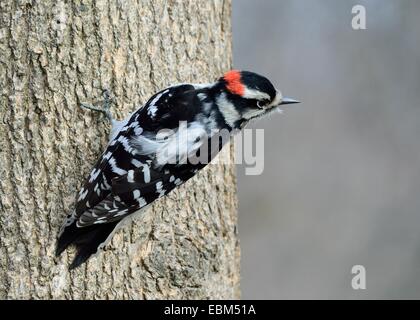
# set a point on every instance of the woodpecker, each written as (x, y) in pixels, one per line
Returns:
(145, 158)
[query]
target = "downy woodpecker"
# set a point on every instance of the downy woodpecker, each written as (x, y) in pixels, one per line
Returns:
(146, 158)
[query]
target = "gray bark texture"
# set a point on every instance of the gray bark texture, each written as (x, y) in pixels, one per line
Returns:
(55, 55)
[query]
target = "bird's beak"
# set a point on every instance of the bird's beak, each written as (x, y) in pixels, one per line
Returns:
(287, 100)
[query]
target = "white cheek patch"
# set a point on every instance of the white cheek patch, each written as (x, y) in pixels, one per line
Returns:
(252, 113)
(255, 94)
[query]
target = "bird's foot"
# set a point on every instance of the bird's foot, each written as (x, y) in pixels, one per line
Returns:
(107, 101)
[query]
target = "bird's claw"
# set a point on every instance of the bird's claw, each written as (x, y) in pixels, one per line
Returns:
(107, 101)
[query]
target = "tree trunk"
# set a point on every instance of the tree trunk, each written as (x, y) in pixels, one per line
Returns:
(55, 55)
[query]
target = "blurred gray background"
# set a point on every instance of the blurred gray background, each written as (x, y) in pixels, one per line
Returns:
(341, 184)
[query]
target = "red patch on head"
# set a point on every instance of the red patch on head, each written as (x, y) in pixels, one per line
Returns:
(234, 83)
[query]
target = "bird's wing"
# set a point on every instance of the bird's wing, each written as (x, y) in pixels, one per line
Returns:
(113, 162)
(125, 179)
(133, 191)
(164, 110)
(95, 189)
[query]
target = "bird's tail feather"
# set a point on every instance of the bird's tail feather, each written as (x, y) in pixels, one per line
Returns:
(87, 240)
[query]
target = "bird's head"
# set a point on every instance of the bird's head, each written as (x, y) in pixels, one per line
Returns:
(247, 95)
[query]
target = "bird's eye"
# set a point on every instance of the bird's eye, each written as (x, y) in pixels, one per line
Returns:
(261, 104)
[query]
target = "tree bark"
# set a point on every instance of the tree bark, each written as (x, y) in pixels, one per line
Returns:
(55, 55)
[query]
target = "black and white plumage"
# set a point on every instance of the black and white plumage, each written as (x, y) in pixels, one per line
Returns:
(145, 158)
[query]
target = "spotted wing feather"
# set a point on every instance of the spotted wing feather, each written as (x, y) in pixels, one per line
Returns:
(131, 192)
